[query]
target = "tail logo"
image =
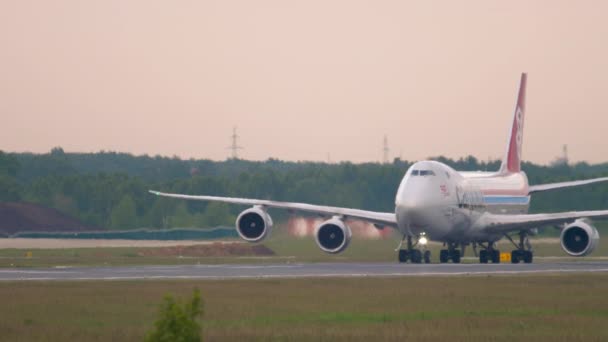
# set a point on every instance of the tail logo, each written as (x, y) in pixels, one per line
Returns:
(519, 136)
(512, 158)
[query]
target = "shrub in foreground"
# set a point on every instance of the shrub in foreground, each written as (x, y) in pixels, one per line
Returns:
(177, 322)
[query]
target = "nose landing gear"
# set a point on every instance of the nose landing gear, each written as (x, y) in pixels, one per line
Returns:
(413, 254)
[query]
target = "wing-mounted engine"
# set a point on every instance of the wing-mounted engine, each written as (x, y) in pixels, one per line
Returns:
(333, 235)
(579, 238)
(254, 224)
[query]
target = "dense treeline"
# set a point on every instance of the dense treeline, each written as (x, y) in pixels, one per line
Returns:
(109, 190)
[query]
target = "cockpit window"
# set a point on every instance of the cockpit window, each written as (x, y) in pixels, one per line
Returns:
(423, 173)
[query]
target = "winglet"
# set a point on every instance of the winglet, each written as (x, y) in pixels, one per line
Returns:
(512, 160)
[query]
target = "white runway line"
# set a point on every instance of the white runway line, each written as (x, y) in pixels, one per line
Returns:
(297, 271)
(50, 271)
(299, 276)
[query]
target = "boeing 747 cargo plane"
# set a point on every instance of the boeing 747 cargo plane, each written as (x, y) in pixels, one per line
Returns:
(439, 203)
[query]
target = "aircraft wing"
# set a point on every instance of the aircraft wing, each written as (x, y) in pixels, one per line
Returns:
(386, 219)
(494, 223)
(553, 186)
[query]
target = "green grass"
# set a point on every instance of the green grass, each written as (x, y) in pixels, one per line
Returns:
(110, 256)
(570, 307)
(287, 249)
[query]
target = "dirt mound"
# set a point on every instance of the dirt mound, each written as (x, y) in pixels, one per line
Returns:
(27, 217)
(216, 249)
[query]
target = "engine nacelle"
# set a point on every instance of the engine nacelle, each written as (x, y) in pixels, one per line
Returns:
(254, 224)
(333, 235)
(579, 238)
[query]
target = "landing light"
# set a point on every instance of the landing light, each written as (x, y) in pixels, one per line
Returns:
(423, 241)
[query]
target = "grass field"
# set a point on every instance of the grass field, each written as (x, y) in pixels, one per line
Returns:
(117, 256)
(287, 249)
(475, 308)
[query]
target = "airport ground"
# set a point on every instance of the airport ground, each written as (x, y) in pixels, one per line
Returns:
(547, 306)
(572, 307)
(283, 249)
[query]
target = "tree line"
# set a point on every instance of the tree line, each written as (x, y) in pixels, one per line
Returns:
(110, 190)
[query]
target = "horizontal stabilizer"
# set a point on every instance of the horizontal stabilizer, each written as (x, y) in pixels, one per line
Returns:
(496, 223)
(555, 186)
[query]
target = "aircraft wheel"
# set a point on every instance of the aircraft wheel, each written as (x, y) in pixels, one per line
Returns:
(483, 256)
(416, 256)
(515, 257)
(443, 256)
(403, 254)
(427, 257)
(528, 256)
(456, 256)
(495, 254)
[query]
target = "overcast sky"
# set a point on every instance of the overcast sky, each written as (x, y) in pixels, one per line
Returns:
(303, 79)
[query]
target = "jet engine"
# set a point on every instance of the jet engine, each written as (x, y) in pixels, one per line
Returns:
(254, 224)
(579, 238)
(333, 235)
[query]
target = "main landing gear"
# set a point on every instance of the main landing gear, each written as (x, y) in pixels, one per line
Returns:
(524, 249)
(413, 254)
(489, 253)
(452, 253)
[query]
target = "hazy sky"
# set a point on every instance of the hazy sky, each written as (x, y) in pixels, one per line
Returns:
(302, 79)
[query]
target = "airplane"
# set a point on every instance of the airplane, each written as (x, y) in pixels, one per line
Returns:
(435, 202)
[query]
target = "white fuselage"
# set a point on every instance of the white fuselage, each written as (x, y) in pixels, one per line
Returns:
(444, 204)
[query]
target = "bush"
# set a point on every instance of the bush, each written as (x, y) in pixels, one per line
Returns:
(178, 322)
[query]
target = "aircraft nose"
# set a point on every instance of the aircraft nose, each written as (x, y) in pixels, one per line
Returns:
(414, 199)
(411, 211)
(408, 206)
(414, 207)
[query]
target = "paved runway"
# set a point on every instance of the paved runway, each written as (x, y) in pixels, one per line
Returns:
(293, 271)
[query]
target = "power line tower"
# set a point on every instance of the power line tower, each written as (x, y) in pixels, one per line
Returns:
(385, 150)
(234, 146)
(563, 159)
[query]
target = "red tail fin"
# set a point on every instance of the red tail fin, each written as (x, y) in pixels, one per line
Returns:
(512, 159)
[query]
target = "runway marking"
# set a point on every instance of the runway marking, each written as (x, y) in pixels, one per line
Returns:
(293, 271)
(266, 267)
(297, 276)
(51, 271)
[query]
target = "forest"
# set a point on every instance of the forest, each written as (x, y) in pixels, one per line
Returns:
(109, 190)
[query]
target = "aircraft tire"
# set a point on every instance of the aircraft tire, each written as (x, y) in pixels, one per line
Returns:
(515, 257)
(456, 256)
(528, 256)
(403, 255)
(495, 254)
(416, 256)
(483, 256)
(427, 257)
(443, 256)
